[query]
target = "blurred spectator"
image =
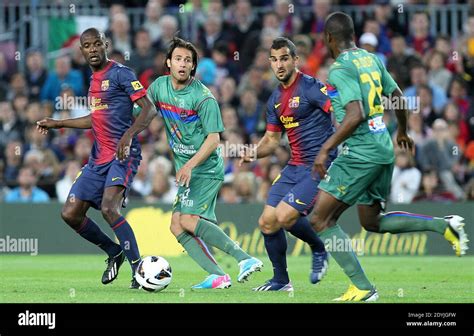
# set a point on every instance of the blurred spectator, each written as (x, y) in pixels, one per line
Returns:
(141, 185)
(27, 191)
(213, 35)
(250, 111)
(245, 186)
(158, 69)
(11, 127)
(13, 159)
(142, 55)
(224, 66)
(406, 179)
(314, 25)
(228, 194)
(160, 189)
(82, 149)
(4, 76)
(63, 186)
(371, 25)
(369, 42)
(426, 108)
(206, 70)
(227, 92)
(441, 154)
(401, 61)
(62, 77)
(470, 190)
(432, 190)
(153, 13)
(243, 23)
(290, 24)
(417, 129)
(120, 33)
(418, 76)
(168, 27)
(419, 38)
(452, 115)
(36, 72)
(18, 86)
(438, 75)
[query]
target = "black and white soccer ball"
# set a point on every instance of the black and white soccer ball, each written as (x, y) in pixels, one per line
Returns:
(153, 273)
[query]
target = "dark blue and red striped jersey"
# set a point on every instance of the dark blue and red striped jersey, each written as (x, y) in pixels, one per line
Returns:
(303, 111)
(112, 92)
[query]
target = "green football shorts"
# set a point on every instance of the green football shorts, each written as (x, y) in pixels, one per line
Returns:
(353, 181)
(199, 198)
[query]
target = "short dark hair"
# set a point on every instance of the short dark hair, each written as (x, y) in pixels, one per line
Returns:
(92, 31)
(340, 26)
(283, 42)
(180, 43)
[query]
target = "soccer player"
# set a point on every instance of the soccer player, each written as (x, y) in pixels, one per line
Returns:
(362, 172)
(104, 181)
(193, 121)
(300, 107)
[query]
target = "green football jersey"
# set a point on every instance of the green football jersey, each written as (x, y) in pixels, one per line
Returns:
(359, 75)
(189, 115)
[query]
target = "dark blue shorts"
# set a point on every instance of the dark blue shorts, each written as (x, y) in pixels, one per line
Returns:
(296, 186)
(91, 181)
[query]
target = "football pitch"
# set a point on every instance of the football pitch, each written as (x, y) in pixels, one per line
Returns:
(76, 279)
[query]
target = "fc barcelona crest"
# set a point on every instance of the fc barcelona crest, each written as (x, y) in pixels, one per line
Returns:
(105, 85)
(294, 102)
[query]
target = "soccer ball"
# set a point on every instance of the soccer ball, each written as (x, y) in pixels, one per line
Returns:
(153, 273)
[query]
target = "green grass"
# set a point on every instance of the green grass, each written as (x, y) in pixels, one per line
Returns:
(76, 278)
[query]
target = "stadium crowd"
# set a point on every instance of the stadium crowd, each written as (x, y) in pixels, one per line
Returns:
(233, 42)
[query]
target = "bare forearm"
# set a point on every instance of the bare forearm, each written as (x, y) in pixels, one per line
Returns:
(207, 148)
(82, 122)
(266, 146)
(401, 113)
(148, 112)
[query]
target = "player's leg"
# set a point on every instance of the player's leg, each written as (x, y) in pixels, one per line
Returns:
(291, 215)
(86, 191)
(345, 182)
(184, 226)
(274, 238)
(373, 219)
(111, 205)
(199, 201)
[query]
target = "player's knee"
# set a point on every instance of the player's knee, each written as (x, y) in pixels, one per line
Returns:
(318, 223)
(110, 213)
(285, 220)
(71, 218)
(265, 225)
(187, 223)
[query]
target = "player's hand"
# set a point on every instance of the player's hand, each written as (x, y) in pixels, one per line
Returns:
(45, 124)
(183, 176)
(247, 155)
(319, 165)
(405, 142)
(123, 147)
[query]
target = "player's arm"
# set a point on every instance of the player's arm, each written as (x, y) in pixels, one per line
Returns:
(128, 82)
(147, 113)
(210, 116)
(183, 176)
(354, 116)
(266, 146)
(348, 90)
(45, 124)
